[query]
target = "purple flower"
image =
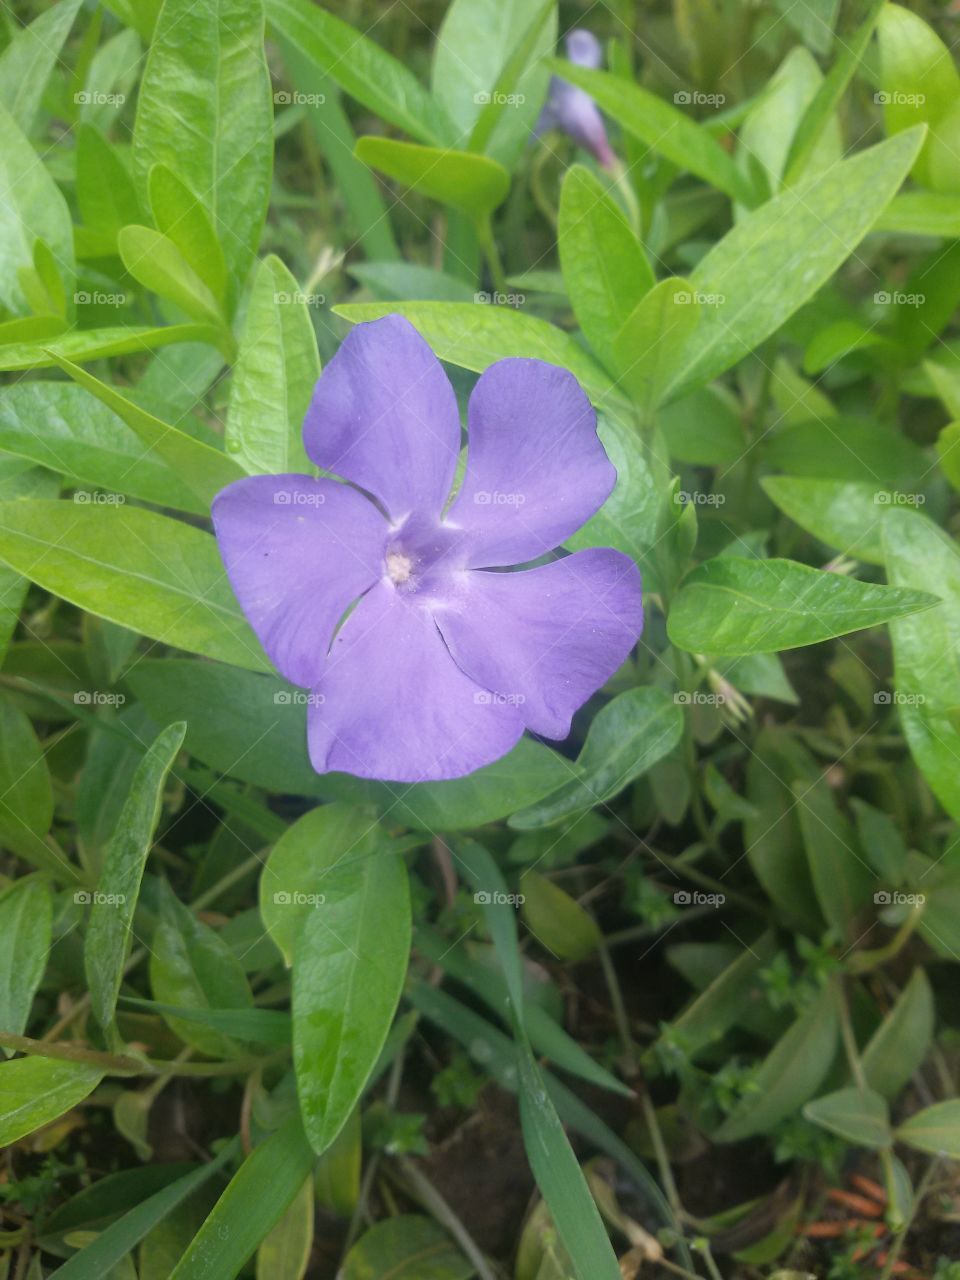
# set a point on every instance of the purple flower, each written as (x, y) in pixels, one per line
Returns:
(572, 109)
(425, 662)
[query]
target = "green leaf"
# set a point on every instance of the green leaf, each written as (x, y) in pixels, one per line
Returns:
(285, 1252)
(28, 61)
(406, 1247)
(474, 184)
(362, 69)
(927, 650)
(841, 448)
(605, 269)
(18, 480)
(858, 1115)
(777, 257)
(155, 261)
(767, 132)
(26, 793)
(882, 842)
(922, 213)
(26, 913)
(118, 888)
(349, 964)
(141, 570)
(844, 515)
(842, 878)
(627, 737)
(106, 196)
(31, 209)
(790, 1074)
(662, 127)
(646, 348)
(730, 605)
(556, 920)
(935, 1129)
(206, 71)
(266, 1026)
(34, 1091)
(88, 443)
(98, 344)
(274, 375)
(182, 219)
(475, 335)
(901, 1042)
(257, 1197)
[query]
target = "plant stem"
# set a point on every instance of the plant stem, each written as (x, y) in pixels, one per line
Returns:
(492, 254)
(432, 1200)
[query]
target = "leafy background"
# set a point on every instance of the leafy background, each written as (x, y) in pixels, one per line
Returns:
(675, 997)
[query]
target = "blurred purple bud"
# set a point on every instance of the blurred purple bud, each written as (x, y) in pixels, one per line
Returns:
(572, 109)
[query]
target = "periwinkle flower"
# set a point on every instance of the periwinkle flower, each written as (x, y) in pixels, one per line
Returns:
(428, 658)
(572, 109)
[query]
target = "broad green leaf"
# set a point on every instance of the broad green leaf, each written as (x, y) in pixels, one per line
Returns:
(790, 1074)
(767, 133)
(205, 470)
(255, 1200)
(918, 81)
(845, 515)
(182, 219)
(406, 1247)
(106, 196)
(842, 877)
(841, 448)
(646, 347)
(926, 650)
(922, 213)
(362, 69)
(26, 912)
(349, 964)
(155, 261)
(274, 375)
(476, 335)
(325, 838)
(18, 480)
(88, 443)
(661, 126)
(935, 1129)
(730, 605)
(777, 257)
(110, 80)
(858, 1115)
(31, 209)
(900, 1044)
(206, 74)
(703, 428)
(474, 184)
(118, 887)
(337, 1178)
(605, 269)
(556, 920)
(191, 965)
(34, 1091)
(98, 344)
(26, 792)
(141, 570)
(476, 44)
(285, 1252)
(627, 737)
(27, 62)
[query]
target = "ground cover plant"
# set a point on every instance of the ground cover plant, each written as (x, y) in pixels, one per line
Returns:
(479, 640)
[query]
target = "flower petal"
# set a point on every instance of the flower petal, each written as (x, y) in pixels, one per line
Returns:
(545, 639)
(298, 552)
(536, 470)
(394, 705)
(384, 416)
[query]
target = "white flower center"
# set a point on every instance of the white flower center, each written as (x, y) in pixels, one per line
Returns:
(399, 567)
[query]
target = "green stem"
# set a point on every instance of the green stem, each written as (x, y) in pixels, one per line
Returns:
(619, 1009)
(431, 1199)
(492, 254)
(850, 1040)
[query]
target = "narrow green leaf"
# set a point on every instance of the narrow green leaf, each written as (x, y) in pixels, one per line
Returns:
(841, 876)
(184, 221)
(99, 344)
(646, 347)
(845, 515)
(106, 195)
(118, 888)
(508, 113)
(472, 183)
(858, 1115)
(556, 920)
(154, 260)
(35, 1090)
(285, 1252)
(901, 1042)
(26, 914)
(28, 61)
(935, 1129)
